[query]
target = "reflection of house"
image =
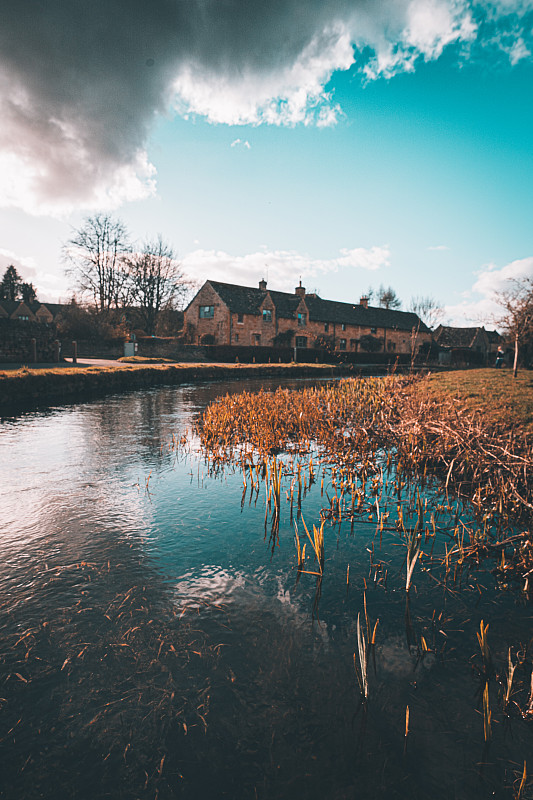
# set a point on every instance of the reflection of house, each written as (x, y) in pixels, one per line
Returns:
(224, 313)
(464, 342)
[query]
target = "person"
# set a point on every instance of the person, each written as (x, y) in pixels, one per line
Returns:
(499, 358)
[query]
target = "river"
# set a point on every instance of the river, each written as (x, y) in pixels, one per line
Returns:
(155, 642)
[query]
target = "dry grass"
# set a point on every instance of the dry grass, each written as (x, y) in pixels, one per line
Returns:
(353, 426)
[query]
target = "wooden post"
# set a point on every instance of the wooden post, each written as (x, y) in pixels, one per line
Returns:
(515, 365)
(56, 351)
(74, 352)
(33, 350)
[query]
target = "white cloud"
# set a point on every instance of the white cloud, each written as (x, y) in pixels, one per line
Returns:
(438, 247)
(239, 142)
(286, 94)
(480, 306)
(283, 267)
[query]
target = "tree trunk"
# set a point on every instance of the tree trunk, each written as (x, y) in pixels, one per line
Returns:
(515, 365)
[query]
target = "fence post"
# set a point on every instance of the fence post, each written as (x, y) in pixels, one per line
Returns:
(74, 352)
(56, 351)
(33, 350)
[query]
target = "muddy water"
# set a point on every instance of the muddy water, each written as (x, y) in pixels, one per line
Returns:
(153, 642)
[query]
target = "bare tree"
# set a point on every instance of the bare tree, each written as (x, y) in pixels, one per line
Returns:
(428, 309)
(517, 321)
(387, 297)
(157, 282)
(95, 255)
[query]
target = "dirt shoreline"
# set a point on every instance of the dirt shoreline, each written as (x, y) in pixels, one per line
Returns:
(28, 388)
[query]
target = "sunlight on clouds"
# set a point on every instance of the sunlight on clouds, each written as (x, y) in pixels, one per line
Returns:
(28, 184)
(283, 268)
(286, 95)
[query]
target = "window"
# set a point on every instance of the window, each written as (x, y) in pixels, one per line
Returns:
(236, 337)
(302, 320)
(267, 315)
(326, 327)
(23, 318)
(256, 339)
(342, 344)
(343, 326)
(391, 346)
(240, 319)
(301, 341)
(207, 312)
(373, 330)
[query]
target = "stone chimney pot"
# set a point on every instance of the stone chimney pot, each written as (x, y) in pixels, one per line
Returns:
(300, 290)
(363, 301)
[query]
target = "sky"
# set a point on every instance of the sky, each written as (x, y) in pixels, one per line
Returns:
(344, 143)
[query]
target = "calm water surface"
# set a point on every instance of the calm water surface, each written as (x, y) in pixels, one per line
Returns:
(153, 643)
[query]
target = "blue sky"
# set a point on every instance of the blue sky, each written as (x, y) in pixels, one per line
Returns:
(327, 142)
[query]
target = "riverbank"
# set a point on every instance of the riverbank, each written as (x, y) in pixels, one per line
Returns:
(27, 388)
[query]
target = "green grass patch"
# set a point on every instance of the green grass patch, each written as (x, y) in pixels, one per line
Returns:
(503, 400)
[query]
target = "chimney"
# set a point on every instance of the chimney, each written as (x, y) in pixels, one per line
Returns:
(263, 284)
(363, 301)
(300, 290)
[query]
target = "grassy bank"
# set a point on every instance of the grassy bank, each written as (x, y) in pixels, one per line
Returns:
(503, 400)
(27, 388)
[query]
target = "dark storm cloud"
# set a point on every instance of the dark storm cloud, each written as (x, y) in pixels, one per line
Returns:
(81, 82)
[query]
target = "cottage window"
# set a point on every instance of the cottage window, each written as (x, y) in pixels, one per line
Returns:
(267, 315)
(301, 341)
(23, 318)
(302, 319)
(343, 326)
(236, 337)
(391, 346)
(240, 319)
(342, 344)
(256, 339)
(373, 330)
(326, 327)
(207, 312)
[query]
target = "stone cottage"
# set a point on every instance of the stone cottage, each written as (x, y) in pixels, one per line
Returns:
(228, 314)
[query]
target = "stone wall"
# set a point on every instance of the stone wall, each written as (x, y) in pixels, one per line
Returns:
(16, 344)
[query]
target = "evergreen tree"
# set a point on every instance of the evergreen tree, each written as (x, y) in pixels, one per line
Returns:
(11, 285)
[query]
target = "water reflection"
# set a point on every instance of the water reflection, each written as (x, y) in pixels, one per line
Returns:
(155, 644)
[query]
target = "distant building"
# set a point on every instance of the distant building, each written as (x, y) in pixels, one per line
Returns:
(225, 313)
(462, 343)
(31, 312)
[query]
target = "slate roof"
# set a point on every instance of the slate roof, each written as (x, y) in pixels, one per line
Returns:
(456, 337)
(55, 308)
(247, 300)
(10, 306)
(355, 314)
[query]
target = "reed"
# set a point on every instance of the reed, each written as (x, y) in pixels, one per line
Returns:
(360, 661)
(487, 715)
(359, 428)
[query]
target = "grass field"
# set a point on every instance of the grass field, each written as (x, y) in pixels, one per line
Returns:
(503, 400)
